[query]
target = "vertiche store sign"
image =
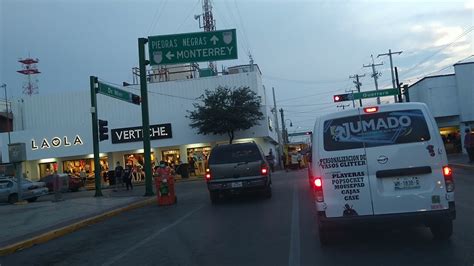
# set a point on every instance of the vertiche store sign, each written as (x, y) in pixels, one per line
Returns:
(56, 142)
(133, 134)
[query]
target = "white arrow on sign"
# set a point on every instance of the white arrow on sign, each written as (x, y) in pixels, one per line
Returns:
(214, 39)
(169, 55)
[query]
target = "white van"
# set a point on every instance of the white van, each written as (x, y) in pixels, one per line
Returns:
(383, 164)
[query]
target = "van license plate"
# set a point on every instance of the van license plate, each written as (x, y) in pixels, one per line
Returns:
(402, 183)
(236, 184)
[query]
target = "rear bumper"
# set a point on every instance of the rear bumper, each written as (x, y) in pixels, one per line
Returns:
(389, 220)
(248, 185)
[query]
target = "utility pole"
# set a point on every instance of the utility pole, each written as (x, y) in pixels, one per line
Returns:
(375, 75)
(280, 143)
(8, 113)
(391, 68)
(398, 86)
(283, 127)
(95, 135)
(352, 97)
(357, 83)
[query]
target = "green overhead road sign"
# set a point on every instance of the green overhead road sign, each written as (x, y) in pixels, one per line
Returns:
(373, 94)
(192, 47)
(118, 93)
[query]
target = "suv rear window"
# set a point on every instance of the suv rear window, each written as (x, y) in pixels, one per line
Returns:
(234, 154)
(372, 130)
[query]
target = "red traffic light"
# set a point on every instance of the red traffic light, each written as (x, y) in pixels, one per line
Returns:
(337, 98)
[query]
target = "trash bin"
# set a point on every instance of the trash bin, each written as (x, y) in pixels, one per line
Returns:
(165, 192)
(184, 170)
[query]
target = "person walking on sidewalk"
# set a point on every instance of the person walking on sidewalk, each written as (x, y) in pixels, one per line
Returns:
(469, 144)
(127, 177)
(118, 173)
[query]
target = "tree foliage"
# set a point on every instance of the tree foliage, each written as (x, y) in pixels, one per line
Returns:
(225, 111)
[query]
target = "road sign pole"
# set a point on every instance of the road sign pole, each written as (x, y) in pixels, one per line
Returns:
(398, 86)
(95, 136)
(145, 116)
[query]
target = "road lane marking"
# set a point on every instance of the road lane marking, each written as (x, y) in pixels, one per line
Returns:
(294, 254)
(149, 238)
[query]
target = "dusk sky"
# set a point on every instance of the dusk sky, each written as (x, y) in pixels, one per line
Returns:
(305, 49)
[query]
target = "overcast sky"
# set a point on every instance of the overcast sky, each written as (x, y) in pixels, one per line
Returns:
(305, 49)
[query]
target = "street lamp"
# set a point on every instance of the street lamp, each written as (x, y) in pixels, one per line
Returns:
(4, 86)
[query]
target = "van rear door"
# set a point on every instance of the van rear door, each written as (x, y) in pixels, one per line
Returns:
(341, 162)
(404, 159)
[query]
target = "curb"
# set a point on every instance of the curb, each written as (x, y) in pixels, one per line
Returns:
(460, 165)
(45, 237)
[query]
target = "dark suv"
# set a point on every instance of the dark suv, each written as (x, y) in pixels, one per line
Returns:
(236, 168)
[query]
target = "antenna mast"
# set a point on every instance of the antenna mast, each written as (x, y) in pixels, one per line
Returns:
(208, 21)
(29, 69)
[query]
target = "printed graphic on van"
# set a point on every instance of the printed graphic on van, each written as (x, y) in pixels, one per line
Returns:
(371, 130)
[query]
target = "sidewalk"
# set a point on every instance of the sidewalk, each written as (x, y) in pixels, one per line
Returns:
(460, 160)
(21, 223)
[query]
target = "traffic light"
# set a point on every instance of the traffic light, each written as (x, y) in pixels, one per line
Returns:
(136, 99)
(103, 130)
(341, 97)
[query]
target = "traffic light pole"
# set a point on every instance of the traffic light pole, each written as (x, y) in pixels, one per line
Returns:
(95, 136)
(145, 116)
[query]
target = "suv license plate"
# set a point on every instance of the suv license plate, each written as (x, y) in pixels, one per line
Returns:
(236, 184)
(402, 183)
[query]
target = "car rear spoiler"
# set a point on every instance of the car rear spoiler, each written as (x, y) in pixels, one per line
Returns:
(404, 171)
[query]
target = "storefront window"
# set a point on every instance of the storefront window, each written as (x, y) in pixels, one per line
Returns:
(137, 161)
(48, 168)
(85, 168)
(197, 159)
(171, 157)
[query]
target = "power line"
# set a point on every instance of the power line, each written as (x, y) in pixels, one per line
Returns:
(304, 81)
(191, 11)
(309, 95)
(155, 20)
(243, 27)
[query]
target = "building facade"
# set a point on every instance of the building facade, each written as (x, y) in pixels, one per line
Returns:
(451, 101)
(57, 128)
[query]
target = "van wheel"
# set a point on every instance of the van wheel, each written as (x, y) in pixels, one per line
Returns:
(32, 199)
(442, 230)
(13, 198)
(214, 197)
(323, 235)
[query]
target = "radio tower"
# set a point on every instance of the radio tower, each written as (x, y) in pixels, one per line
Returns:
(208, 22)
(29, 69)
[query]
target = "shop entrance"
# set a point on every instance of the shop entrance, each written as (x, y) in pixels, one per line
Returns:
(48, 168)
(452, 139)
(137, 161)
(197, 160)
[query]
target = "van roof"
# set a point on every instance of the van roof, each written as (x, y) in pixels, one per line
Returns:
(391, 106)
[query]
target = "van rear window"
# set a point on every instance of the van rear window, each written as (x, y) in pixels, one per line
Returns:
(235, 154)
(373, 130)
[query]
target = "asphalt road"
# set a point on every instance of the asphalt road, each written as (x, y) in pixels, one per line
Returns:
(252, 230)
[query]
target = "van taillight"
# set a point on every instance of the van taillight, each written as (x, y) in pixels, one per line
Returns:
(448, 178)
(208, 174)
(318, 189)
(373, 109)
(264, 169)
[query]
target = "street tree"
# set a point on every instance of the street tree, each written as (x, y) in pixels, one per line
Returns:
(225, 111)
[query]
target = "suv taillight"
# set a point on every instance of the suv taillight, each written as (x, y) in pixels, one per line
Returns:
(264, 169)
(208, 174)
(448, 178)
(318, 189)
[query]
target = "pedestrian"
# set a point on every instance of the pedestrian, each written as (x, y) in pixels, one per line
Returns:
(271, 160)
(299, 158)
(82, 175)
(127, 177)
(469, 144)
(118, 173)
(192, 166)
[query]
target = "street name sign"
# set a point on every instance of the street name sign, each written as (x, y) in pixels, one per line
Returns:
(373, 94)
(192, 47)
(117, 93)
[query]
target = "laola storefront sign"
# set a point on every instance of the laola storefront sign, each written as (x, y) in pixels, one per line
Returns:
(56, 142)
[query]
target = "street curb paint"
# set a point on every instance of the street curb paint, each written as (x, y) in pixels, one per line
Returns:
(45, 237)
(460, 165)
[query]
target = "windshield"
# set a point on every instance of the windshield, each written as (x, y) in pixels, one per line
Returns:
(235, 154)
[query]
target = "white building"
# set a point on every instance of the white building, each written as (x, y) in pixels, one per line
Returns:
(58, 133)
(450, 99)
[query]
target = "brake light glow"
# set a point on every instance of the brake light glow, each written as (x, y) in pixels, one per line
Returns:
(208, 174)
(373, 109)
(264, 170)
(448, 178)
(318, 189)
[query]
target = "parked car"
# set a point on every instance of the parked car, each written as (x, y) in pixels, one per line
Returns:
(67, 182)
(236, 168)
(385, 165)
(30, 190)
